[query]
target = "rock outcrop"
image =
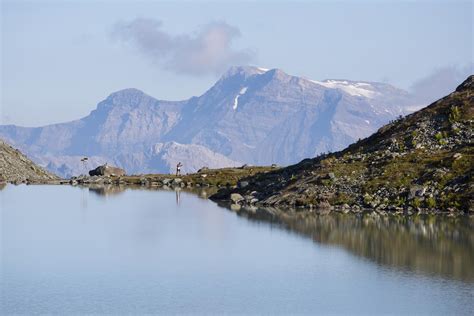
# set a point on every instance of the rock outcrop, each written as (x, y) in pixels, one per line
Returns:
(421, 163)
(17, 168)
(106, 170)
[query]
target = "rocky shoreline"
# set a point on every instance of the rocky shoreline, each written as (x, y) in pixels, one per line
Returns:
(225, 177)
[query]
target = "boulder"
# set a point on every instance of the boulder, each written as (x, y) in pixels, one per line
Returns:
(106, 170)
(203, 169)
(236, 198)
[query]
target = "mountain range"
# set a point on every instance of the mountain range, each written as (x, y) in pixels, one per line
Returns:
(250, 115)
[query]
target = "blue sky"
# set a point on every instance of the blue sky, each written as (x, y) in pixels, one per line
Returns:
(60, 58)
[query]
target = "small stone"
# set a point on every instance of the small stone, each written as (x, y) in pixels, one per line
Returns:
(166, 181)
(176, 181)
(242, 184)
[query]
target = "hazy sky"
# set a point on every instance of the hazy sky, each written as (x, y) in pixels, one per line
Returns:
(60, 58)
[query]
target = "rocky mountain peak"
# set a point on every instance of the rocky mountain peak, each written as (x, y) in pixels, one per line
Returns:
(243, 71)
(467, 84)
(129, 97)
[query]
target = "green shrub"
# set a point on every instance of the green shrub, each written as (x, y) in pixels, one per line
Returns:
(440, 137)
(430, 202)
(401, 146)
(454, 115)
(416, 203)
(399, 201)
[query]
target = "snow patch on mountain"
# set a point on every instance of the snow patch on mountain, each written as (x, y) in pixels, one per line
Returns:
(360, 89)
(236, 99)
(263, 69)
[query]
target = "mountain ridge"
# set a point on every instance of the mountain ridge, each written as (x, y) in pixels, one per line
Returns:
(250, 114)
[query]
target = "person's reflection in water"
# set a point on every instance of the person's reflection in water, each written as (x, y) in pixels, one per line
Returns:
(178, 195)
(84, 198)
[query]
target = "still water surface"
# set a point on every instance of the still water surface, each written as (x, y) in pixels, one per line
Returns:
(75, 250)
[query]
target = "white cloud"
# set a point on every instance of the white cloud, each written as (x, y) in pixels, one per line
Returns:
(209, 50)
(439, 83)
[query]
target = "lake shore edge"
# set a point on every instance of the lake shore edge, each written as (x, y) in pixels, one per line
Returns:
(224, 181)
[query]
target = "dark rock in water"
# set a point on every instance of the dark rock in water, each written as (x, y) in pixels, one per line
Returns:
(106, 170)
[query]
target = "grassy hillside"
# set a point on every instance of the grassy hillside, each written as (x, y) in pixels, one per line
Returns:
(423, 162)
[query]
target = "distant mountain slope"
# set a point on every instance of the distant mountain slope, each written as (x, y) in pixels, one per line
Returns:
(423, 161)
(267, 116)
(165, 157)
(251, 114)
(16, 167)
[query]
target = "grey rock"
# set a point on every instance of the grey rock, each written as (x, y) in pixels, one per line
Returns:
(236, 198)
(242, 184)
(166, 181)
(106, 170)
(416, 191)
(177, 181)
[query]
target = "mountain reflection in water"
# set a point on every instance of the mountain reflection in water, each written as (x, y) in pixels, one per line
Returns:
(432, 245)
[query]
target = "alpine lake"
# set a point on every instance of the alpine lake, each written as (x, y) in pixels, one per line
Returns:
(114, 250)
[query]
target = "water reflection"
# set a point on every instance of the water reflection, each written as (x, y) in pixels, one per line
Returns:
(433, 245)
(106, 190)
(178, 195)
(110, 190)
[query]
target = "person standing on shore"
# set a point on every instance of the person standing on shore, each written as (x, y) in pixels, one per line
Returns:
(178, 168)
